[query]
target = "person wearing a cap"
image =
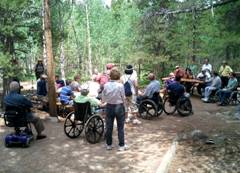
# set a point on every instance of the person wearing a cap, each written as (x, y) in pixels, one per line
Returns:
(13, 99)
(179, 71)
(42, 85)
(39, 69)
(224, 72)
(131, 108)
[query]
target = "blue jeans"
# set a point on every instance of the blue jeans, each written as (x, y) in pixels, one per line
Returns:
(224, 95)
(113, 111)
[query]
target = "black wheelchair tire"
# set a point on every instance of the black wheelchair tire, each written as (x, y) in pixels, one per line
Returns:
(145, 107)
(165, 104)
(74, 125)
(187, 109)
(94, 129)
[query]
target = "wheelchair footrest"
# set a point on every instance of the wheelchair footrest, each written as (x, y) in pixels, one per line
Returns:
(22, 139)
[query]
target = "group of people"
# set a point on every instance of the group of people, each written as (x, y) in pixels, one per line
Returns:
(222, 83)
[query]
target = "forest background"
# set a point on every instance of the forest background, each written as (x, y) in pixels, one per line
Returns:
(88, 34)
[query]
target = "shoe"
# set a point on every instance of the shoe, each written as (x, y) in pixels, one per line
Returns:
(136, 121)
(128, 120)
(205, 99)
(109, 147)
(122, 148)
(41, 137)
(221, 104)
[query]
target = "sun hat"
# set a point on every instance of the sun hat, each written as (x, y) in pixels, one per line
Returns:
(129, 69)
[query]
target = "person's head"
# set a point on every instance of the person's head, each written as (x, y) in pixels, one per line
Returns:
(232, 75)
(215, 73)
(84, 92)
(43, 77)
(109, 66)
(56, 77)
(224, 63)
(171, 75)
(95, 71)
(178, 78)
(151, 76)
(206, 61)
(68, 82)
(177, 67)
(204, 71)
(40, 61)
(129, 69)
(115, 74)
(77, 78)
(14, 86)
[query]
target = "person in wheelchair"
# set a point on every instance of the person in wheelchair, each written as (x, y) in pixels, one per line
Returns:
(14, 99)
(225, 93)
(152, 88)
(66, 94)
(83, 98)
(175, 90)
(215, 85)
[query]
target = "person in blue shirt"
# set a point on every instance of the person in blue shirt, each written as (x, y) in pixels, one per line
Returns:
(14, 99)
(152, 87)
(42, 86)
(176, 90)
(66, 94)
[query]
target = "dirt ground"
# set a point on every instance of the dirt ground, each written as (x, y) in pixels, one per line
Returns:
(148, 144)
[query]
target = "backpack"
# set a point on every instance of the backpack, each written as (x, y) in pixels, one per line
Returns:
(127, 88)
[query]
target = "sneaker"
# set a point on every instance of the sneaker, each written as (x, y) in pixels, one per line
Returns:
(109, 147)
(205, 99)
(122, 148)
(136, 121)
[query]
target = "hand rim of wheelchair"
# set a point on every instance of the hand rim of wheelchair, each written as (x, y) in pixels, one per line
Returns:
(75, 126)
(187, 110)
(147, 105)
(94, 129)
(166, 101)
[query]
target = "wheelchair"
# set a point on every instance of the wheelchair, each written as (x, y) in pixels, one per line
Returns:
(63, 109)
(16, 117)
(82, 119)
(150, 107)
(173, 103)
(234, 98)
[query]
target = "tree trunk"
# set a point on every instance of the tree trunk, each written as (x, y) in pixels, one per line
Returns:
(89, 42)
(50, 64)
(62, 53)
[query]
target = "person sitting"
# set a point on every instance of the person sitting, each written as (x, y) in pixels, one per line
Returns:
(42, 86)
(206, 65)
(66, 94)
(175, 90)
(13, 99)
(75, 85)
(188, 75)
(225, 93)
(204, 76)
(179, 71)
(152, 87)
(224, 72)
(59, 82)
(83, 98)
(215, 85)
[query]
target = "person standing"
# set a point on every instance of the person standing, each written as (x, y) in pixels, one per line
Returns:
(39, 69)
(224, 72)
(42, 85)
(131, 108)
(114, 96)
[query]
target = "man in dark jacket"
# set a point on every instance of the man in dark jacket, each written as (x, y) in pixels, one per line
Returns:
(13, 99)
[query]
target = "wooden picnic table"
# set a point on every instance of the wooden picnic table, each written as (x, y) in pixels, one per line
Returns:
(186, 80)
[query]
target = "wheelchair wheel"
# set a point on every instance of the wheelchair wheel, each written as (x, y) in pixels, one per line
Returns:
(72, 127)
(94, 129)
(234, 98)
(168, 108)
(184, 106)
(147, 109)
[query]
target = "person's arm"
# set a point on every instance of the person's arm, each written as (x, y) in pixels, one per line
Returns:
(221, 70)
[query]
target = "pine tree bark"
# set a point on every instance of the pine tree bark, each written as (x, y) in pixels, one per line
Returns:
(50, 64)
